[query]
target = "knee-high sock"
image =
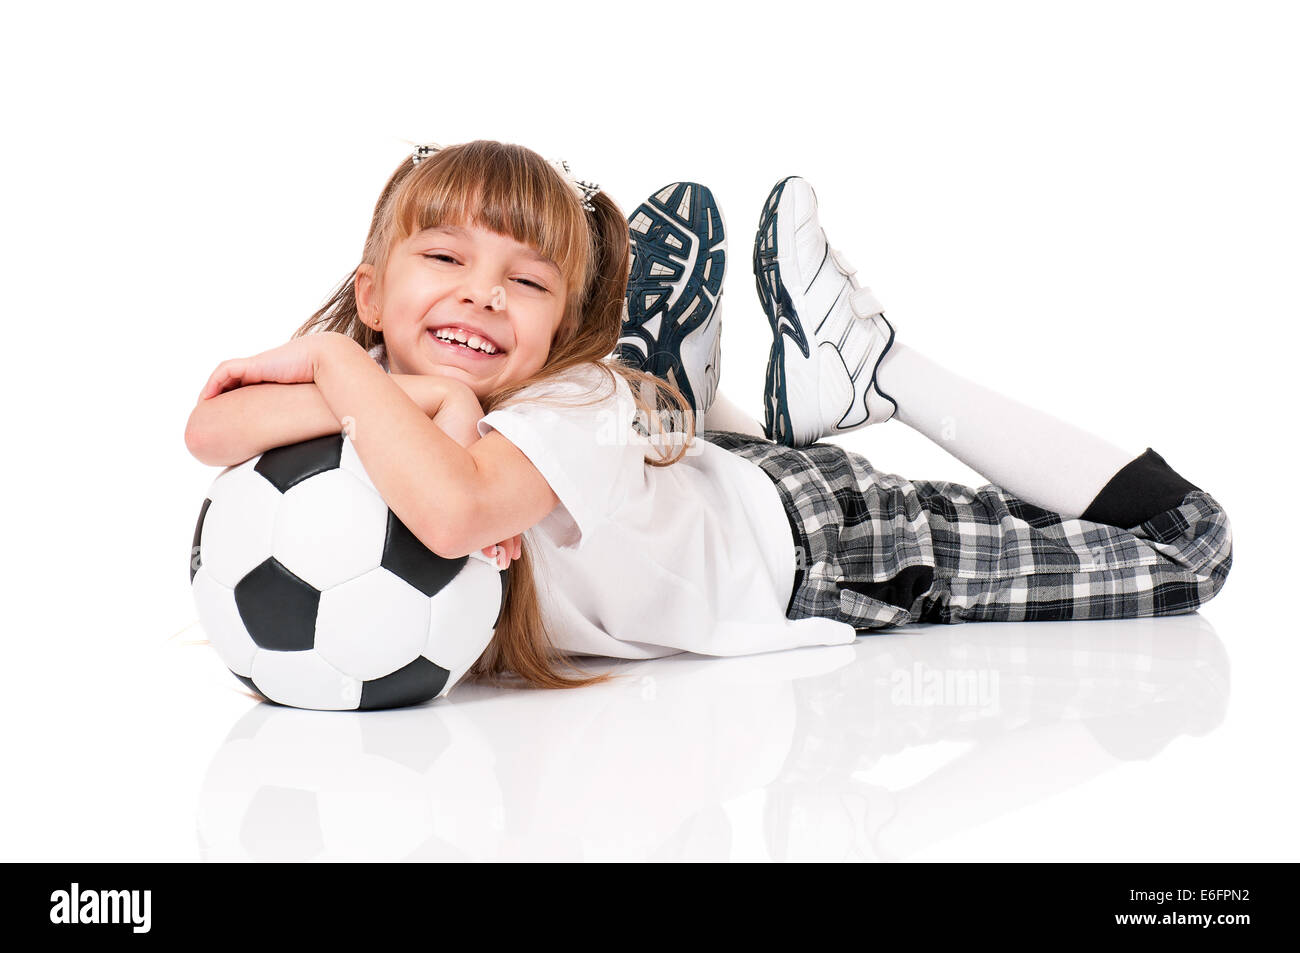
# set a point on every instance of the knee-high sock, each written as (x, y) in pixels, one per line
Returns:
(1031, 454)
(723, 414)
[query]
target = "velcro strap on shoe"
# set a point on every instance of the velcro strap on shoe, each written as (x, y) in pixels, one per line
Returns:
(842, 263)
(864, 303)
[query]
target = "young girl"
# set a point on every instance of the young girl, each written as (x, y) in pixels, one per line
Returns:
(479, 360)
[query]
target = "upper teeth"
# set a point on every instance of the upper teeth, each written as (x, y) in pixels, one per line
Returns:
(471, 340)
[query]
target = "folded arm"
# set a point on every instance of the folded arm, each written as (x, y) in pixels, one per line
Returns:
(237, 425)
(453, 498)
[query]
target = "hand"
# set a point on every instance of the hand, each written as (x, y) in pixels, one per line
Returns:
(459, 412)
(292, 363)
(509, 550)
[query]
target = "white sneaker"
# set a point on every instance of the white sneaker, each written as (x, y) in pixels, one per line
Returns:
(671, 319)
(829, 333)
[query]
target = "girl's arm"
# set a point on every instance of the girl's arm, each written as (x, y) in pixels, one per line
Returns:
(239, 424)
(455, 500)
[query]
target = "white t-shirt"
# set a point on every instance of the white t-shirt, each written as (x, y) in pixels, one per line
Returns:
(638, 561)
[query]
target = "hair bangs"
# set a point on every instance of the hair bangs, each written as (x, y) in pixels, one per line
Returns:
(505, 189)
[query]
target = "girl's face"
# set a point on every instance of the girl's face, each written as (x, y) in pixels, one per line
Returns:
(463, 281)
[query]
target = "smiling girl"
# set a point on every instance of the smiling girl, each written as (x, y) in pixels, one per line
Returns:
(482, 363)
(484, 281)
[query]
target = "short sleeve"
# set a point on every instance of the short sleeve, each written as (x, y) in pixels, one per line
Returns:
(588, 454)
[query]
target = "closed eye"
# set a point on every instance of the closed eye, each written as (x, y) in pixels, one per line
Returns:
(442, 257)
(531, 284)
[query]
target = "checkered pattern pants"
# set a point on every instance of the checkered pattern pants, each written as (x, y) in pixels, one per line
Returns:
(874, 549)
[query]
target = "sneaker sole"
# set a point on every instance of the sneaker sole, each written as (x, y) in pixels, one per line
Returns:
(782, 318)
(672, 322)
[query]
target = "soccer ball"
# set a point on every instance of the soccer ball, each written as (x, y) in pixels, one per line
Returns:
(315, 595)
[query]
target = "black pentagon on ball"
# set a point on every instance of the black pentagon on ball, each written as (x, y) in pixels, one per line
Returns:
(278, 609)
(195, 555)
(286, 467)
(411, 684)
(411, 561)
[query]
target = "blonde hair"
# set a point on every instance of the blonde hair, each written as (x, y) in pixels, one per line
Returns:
(514, 191)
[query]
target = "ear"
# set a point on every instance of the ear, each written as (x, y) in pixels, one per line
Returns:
(366, 294)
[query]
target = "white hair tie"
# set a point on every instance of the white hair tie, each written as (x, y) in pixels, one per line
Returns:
(584, 190)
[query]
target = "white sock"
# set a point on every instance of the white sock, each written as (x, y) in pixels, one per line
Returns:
(1033, 455)
(725, 415)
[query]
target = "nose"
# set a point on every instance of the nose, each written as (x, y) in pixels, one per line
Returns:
(483, 291)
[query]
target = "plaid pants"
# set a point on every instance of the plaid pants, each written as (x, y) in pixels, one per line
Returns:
(874, 549)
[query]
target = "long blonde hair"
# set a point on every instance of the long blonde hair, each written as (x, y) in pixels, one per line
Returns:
(514, 191)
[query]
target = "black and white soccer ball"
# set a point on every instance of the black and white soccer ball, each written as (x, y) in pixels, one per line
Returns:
(315, 594)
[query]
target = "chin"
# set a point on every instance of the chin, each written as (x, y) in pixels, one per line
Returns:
(466, 377)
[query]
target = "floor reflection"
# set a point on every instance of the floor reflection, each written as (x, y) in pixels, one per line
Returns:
(872, 751)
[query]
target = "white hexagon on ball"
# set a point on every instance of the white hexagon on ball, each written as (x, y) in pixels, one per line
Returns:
(461, 617)
(304, 680)
(222, 624)
(237, 530)
(330, 529)
(373, 625)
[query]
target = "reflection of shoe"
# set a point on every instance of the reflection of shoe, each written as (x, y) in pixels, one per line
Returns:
(829, 334)
(671, 326)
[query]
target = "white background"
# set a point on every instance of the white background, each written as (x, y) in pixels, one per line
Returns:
(1090, 207)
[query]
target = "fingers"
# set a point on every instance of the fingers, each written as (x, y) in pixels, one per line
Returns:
(228, 374)
(505, 551)
(217, 381)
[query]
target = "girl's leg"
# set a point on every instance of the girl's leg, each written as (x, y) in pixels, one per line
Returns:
(875, 549)
(723, 414)
(1040, 458)
(836, 366)
(1069, 527)
(998, 558)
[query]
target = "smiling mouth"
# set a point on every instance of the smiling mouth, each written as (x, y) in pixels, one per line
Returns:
(462, 348)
